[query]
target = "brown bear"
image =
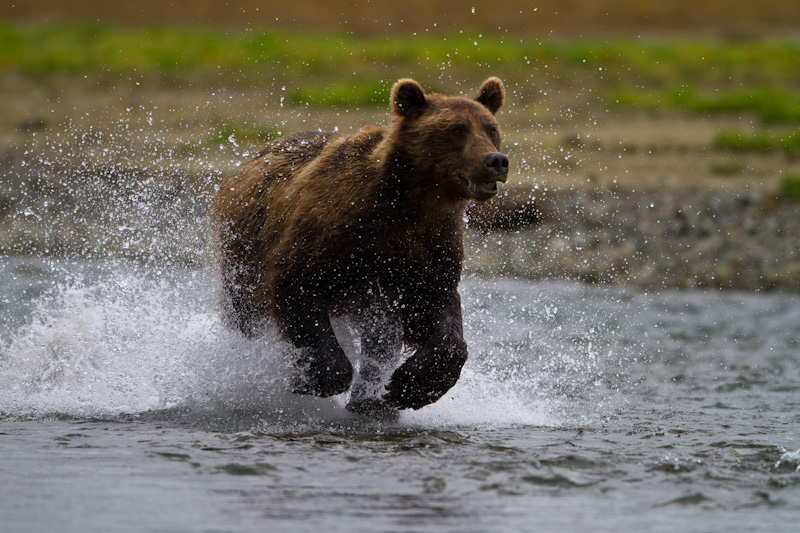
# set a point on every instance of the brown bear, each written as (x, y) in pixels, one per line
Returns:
(368, 226)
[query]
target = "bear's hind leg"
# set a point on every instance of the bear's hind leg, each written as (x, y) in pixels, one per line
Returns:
(322, 367)
(381, 344)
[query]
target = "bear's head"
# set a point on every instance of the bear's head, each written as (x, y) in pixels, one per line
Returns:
(451, 142)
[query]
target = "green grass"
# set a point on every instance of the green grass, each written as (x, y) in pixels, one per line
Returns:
(696, 76)
(351, 93)
(790, 186)
(769, 104)
(80, 47)
(758, 141)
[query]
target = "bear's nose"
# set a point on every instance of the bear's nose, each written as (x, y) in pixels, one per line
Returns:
(496, 163)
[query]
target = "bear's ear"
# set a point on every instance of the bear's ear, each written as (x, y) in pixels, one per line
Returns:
(492, 94)
(408, 99)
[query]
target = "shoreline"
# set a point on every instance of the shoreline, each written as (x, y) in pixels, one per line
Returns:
(740, 238)
(735, 239)
(631, 199)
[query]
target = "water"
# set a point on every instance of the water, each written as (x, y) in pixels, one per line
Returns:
(125, 405)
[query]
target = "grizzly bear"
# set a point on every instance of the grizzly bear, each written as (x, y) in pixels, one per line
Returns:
(367, 226)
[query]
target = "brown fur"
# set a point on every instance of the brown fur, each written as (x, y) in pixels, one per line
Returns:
(322, 223)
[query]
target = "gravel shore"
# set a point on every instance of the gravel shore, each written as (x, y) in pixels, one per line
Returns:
(675, 238)
(134, 184)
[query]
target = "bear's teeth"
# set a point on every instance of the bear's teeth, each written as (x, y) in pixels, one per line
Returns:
(483, 187)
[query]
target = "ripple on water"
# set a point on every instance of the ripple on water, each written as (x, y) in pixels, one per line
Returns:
(580, 409)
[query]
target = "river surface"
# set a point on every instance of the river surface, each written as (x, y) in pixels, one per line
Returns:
(125, 405)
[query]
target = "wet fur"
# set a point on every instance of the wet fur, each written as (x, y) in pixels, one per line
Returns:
(324, 223)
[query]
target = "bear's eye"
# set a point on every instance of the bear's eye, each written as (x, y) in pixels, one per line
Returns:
(458, 131)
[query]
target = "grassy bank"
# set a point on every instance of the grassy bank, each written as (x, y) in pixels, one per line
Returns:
(762, 77)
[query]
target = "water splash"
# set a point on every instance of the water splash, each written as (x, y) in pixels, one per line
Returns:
(789, 458)
(126, 341)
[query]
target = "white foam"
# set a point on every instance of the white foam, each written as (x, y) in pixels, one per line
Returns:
(130, 344)
(789, 457)
(480, 399)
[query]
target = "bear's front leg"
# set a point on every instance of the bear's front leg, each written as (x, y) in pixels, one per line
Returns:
(322, 368)
(435, 367)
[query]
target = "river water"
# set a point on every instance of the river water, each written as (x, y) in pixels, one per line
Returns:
(125, 405)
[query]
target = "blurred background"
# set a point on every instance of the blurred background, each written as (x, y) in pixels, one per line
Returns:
(654, 144)
(564, 18)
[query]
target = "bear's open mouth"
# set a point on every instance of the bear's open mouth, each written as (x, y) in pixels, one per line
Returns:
(483, 188)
